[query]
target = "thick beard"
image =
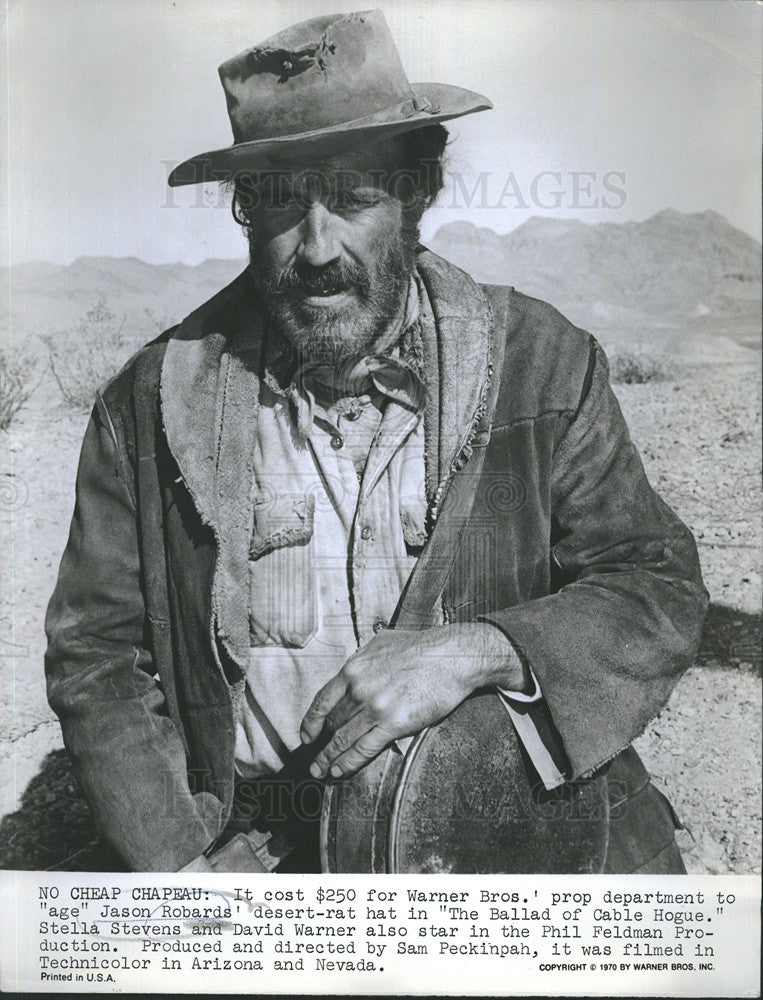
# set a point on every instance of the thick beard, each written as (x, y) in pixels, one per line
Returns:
(345, 333)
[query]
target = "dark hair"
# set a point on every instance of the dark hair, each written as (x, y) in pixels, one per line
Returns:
(421, 153)
(416, 158)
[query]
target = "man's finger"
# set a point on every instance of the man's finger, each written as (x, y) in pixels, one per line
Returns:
(340, 743)
(344, 710)
(368, 746)
(326, 699)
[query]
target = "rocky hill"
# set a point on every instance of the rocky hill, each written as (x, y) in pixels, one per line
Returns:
(49, 299)
(670, 269)
(671, 265)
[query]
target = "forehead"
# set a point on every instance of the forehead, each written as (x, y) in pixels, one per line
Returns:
(371, 158)
(372, 162)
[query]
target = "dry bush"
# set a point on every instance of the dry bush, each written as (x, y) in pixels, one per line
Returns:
(637, 366)
(157, 322)
(84, 359)
(16, 386)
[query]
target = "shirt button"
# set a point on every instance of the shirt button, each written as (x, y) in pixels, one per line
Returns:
(379, 625)
(365, 531)
(337, 441)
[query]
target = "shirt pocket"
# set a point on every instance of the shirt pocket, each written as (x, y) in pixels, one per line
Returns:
(282, 578)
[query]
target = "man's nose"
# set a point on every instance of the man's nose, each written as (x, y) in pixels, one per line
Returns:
(319, 243)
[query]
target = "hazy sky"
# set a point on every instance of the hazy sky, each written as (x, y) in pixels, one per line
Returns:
(102, 92)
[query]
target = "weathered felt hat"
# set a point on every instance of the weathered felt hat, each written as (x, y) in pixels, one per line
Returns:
(303, 93)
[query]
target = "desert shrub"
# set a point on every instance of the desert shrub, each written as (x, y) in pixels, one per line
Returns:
(83, 359)
(156, 323)
(53, 828)
(636, 366)
(16, 386)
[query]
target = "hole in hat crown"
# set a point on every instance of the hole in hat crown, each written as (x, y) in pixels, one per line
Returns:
(317, 74)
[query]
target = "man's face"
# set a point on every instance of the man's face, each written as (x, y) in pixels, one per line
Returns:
(332, 250)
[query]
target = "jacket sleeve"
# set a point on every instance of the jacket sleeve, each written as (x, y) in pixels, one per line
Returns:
(125, 750)
(611, 643)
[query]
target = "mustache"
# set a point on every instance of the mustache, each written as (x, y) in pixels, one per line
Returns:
(326, 279)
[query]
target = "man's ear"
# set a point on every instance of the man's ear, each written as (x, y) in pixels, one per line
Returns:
(237, 211)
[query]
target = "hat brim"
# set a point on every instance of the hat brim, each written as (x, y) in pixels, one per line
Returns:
(446, 102)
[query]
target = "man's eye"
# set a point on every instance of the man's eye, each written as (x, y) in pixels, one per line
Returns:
(280, 200)
(347, 201)
(283, 208)
(274, 197)
(357, 200)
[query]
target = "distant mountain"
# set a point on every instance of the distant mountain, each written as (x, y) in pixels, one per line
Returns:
(50, 299)
(670, 269)
(118, 276)
(671, 265)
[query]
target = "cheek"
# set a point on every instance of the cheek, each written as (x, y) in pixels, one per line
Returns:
(389, 223)
(379, 233)
(276, 238)
(276, 251)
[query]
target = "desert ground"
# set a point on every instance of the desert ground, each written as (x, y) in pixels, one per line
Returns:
(698, 427)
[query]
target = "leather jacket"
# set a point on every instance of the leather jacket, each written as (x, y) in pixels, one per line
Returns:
(591, 575)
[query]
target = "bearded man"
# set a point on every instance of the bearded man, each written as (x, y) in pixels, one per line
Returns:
(258, 487)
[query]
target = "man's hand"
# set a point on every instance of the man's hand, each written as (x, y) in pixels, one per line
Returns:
(402, 682)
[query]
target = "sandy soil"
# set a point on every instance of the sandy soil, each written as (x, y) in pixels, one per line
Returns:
(700, 440)
(699, 437)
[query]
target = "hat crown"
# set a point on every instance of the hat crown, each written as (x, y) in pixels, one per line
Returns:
(314, 75)
(317, 89)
